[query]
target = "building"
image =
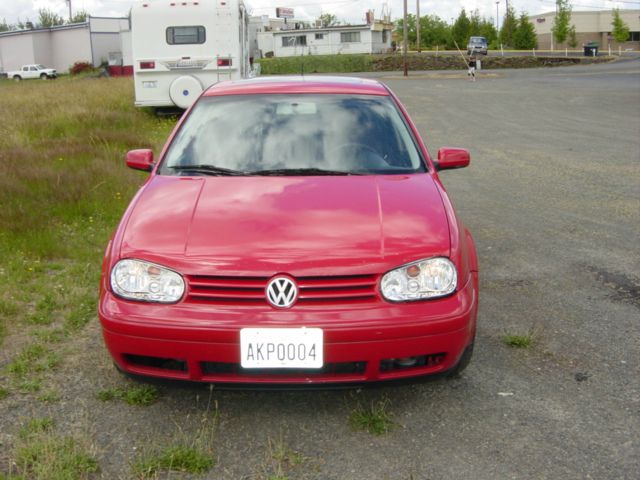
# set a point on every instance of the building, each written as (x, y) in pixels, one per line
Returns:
(590, 27)
(259, 25)
(96, 41)
(374, 37)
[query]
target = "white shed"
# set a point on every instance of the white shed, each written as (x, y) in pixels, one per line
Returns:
(94, 41)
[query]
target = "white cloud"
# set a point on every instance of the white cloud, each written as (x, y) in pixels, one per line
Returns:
(348, 10)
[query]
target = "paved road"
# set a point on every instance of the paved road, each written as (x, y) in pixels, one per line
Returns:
(553, 199)
(540, 53)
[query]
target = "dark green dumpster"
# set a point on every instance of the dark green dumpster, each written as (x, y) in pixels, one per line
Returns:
(591, 49)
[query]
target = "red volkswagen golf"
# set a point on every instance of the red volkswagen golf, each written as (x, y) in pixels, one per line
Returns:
(292, 231)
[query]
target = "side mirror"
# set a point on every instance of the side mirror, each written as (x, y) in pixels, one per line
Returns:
(449, 158)
(140, 159)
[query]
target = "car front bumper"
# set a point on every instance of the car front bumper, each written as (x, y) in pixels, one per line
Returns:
(361, 343)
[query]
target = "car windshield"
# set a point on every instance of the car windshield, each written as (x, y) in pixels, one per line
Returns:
(478, 40)
(304, 134)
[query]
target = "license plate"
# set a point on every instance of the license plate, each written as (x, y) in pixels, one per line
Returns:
(281, 348)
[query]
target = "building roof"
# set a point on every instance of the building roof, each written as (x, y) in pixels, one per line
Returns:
(337, 28)
(298, 84)
(45, 29)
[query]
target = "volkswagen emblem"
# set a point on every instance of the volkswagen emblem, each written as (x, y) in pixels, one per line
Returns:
(282, 292)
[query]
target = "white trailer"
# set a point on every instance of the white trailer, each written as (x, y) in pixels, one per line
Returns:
(180, 48)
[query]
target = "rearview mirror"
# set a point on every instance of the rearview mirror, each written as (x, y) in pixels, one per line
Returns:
(449, 158)
(141, 159)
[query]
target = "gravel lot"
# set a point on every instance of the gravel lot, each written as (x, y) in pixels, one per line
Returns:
(553, 200)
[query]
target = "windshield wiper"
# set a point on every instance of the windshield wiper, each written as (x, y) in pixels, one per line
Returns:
(207, 170)
(302, 171)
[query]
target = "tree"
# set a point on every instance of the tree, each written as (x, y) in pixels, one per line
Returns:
(4, 26)
(620, 30)
(475, 23)
(561, 29)
(525, 37)
(434, 31)
(328, 20)
(80, 16)
(488, 31)
(573, 39)
(20, 25)
(460, 29)
(47, 18)
(509, 27)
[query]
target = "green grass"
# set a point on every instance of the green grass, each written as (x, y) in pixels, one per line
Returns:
(281, 459)
(36, 426)
(50, 396)
(518, 340)
(316, 64)
(373, 418)
(180, 458)
(41, 454)
(32, 359)
(63, 188)
(53, 457)
(142, 395)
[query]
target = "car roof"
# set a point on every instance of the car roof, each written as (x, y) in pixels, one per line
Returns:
(298, 84)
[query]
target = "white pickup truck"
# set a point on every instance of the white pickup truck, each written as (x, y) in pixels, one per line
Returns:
(32, 71)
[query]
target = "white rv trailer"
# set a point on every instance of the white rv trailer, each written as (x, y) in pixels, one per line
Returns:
(180, 48)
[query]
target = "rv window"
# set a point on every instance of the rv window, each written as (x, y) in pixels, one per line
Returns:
(185, 35)
(299, 40)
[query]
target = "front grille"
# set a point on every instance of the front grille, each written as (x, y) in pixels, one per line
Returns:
(220, 290)
(329, 369)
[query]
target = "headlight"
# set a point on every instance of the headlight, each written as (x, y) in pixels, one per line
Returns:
(138, 280)
(434, 277)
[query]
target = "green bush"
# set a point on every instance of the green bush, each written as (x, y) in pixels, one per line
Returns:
(316, 64)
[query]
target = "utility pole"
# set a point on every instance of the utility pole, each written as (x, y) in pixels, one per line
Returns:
(498, 16)
(404, 40)
(69, 2)
(418, 24)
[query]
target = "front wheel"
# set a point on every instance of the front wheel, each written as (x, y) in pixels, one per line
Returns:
(17, 78)
(43, 76)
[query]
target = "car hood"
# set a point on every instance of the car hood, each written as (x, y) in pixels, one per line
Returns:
(301, 225)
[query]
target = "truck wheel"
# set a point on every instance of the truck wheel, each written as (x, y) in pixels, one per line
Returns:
(43, 76)
(17, 78)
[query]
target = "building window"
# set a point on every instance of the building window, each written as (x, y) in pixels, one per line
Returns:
(385, 36)
(634, 37)
(186, 35)
(297, 41)
(319, 36)
(349, 37)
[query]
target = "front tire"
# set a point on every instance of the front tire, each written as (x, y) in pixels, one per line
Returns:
(17, 78)
(43, 76)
